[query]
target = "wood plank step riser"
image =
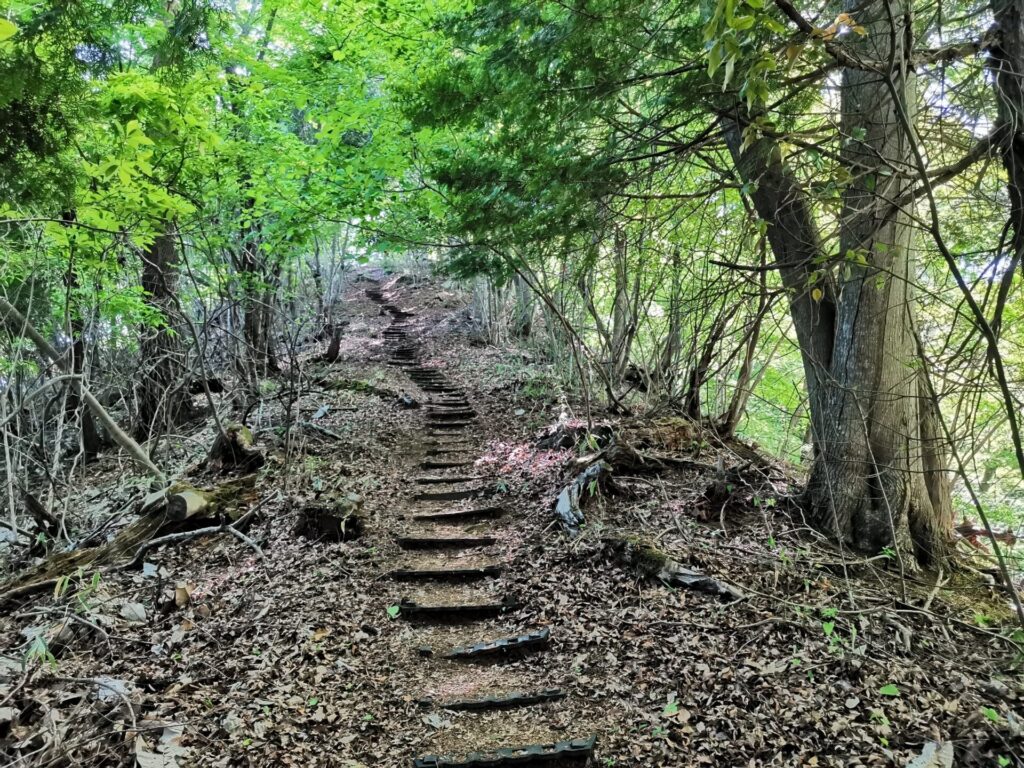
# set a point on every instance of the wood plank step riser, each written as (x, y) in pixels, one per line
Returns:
(410, 610)
(577, 751)
(414, 542)
(459, 514)
(445, 464)
(531, 641)
(469, 493)
(509, 701)
(453, 574)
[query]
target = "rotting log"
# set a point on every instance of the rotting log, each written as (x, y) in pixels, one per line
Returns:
(651, 562)
(161, 512)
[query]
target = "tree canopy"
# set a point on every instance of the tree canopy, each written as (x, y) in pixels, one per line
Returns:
(803, 226)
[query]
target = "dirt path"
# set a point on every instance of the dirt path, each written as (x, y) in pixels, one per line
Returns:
(465, 620)
(462, 621)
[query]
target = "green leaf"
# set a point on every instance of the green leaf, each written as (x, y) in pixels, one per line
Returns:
(889, 690)
(715, 58)
(991, 714)
(741, 23)
(393, 611)
(828, 627)
(8, 29)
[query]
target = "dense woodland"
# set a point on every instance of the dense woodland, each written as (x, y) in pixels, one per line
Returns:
(804, 226)
(801, 228)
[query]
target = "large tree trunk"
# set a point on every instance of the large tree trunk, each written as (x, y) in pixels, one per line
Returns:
(796, 244)
(163, 388)
(869, 484)
(879, 477)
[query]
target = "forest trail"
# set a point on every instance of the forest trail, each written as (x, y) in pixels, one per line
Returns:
(457, 620)
(472, 665)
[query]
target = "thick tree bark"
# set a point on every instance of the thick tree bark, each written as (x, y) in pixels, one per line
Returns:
(163, 388)
(796, 244)
(879, 448)
(879, 479)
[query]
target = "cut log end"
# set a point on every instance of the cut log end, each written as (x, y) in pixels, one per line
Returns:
(233, 450)
(333, 519)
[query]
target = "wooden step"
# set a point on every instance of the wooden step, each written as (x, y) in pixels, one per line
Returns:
(560, 752)
(445, 464)
(444, 542)
(458, 514)
(446, 574)
(440, 480)
(408, 609)
(506, 701)
(452, 415)
(503, 645)
(456, 495)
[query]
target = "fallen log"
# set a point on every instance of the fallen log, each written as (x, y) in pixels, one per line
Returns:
(651, 562)
(160, 512)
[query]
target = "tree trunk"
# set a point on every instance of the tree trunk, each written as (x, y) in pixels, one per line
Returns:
(522, 319)
(668, 360)
(163, 389)
(259, 293)
(698, 375)
(728, 422)
(879, 477)
(622, 312)
(879, 452)
(796, 244)
(92, 441)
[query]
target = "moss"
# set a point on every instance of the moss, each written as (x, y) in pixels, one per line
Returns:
(647, 558)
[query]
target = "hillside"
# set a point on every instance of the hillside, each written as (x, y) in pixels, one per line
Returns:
(300, 642)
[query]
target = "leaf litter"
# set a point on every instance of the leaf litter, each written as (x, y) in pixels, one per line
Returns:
(296, 661)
